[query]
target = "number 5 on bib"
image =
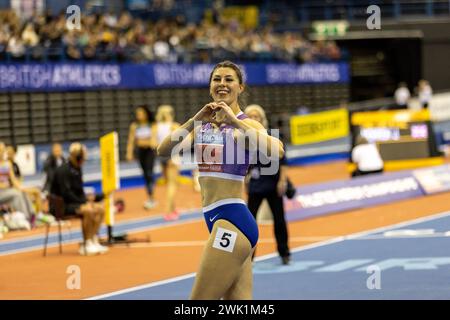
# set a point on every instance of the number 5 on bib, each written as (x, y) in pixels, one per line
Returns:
(225, 239)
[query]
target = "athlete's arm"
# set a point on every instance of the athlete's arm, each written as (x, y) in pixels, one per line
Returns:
(130, 143)
(253, 130)
(259, 133)
(184, 133)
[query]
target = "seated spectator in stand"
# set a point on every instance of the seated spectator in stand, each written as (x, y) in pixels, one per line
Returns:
(33, 193)
(402, 96)
(53, 162)
(29, 35)
(10, 191)
(425, 93)
(68, 184)
(16, 47)
(366, 157)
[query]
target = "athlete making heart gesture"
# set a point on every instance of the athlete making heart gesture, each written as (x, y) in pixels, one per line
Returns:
(226, 268)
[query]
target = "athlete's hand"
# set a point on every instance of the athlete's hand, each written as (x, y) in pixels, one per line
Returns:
(224, 113)
(205, 114)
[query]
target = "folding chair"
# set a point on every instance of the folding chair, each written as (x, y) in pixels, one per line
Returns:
(57, 209)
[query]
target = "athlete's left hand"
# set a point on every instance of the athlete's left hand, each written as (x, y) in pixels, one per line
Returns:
(224, 113)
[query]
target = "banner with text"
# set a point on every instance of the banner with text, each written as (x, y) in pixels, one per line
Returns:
(343, 195)
(90, 76)
(320, 126)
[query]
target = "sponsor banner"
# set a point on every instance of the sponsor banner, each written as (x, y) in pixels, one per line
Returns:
(361, 192)
(389, 118)
(85, 76)
(26, 159)
(109, 149)
(320, 126)
(435, 179)
(307, 73)
(92, 163)
(248, 16)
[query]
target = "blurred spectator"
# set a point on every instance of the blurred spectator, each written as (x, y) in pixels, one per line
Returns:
(402, 96)
(108, 37)
(29, 35)
(165, 124)
(11, 192)
(34, 194)
(425, 93)
(16, 46)
(11, 155)
(53, 162)
(68, 184)
(142, 145)
(366, 157)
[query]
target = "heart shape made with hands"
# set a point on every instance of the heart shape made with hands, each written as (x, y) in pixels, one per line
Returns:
(222, 113)
(217, 113)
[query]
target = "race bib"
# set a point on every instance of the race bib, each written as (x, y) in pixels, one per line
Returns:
(209, 149)
(225, 239)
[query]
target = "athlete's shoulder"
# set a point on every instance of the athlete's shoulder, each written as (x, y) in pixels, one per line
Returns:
(255, 124)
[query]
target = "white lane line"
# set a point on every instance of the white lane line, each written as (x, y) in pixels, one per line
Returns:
(202, 242)
(272, 255)
(161, 225)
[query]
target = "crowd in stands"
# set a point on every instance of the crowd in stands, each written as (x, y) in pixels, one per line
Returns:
(107, 37)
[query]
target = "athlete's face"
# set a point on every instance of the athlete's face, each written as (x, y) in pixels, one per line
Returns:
(141, 116)
(225, 85)
(253, 114)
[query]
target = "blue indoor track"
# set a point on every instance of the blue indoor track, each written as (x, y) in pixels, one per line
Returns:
(410, 260)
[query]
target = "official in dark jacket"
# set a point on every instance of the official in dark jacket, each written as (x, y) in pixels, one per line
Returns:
(271, 187)
(53, 162)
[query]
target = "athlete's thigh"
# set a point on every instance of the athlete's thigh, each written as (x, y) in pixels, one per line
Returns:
(242, 288)
(223, 257)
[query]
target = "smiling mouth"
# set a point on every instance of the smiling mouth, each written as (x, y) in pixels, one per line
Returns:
(222, 91)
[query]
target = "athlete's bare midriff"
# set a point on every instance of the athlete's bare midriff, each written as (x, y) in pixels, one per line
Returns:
(214, 189)
(142, 143)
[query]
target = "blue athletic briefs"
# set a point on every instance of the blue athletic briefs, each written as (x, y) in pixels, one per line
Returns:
(236, 213)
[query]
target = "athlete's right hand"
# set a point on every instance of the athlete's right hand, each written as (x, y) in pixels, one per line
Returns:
(206, 113)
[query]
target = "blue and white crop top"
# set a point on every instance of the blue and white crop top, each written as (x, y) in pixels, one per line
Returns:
(143, 131)
(218, 154)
